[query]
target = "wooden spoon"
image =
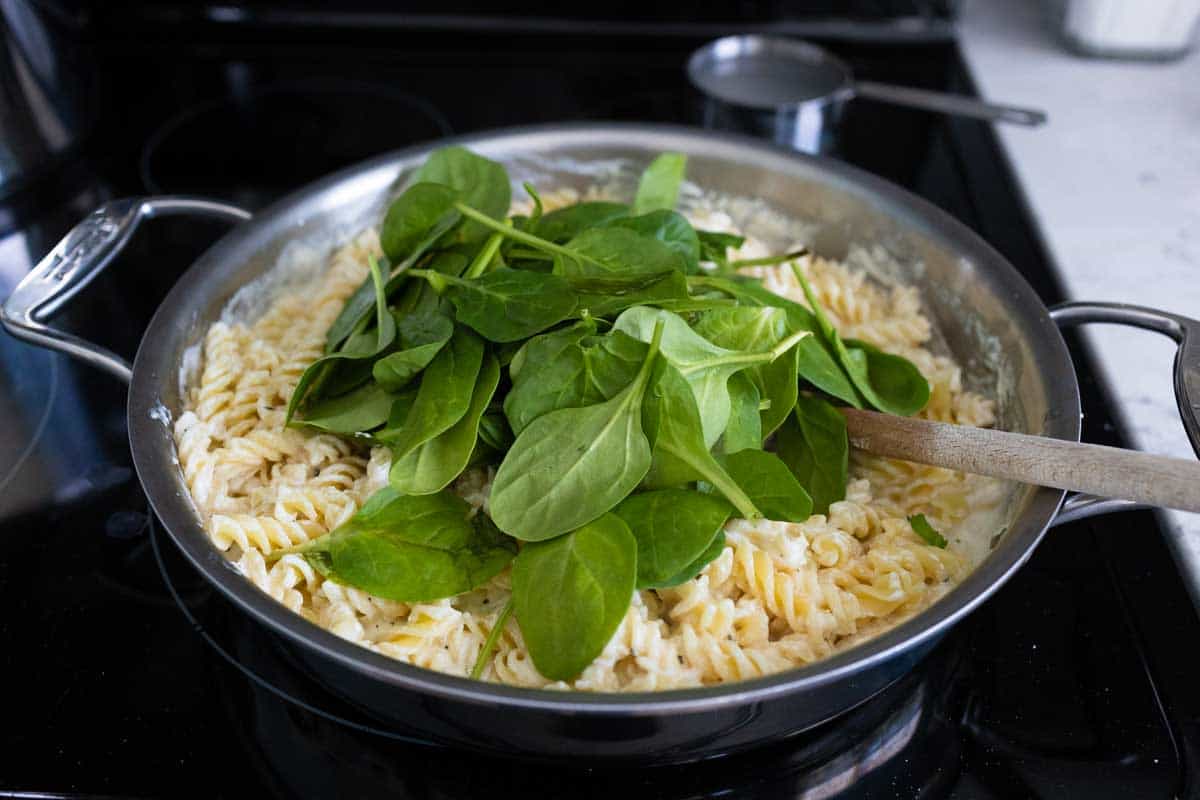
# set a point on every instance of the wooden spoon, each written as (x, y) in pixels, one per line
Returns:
(1107, 471)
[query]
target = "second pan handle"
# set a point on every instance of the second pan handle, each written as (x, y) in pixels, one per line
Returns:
(948, 103)
(1186, 334)
(82, 255)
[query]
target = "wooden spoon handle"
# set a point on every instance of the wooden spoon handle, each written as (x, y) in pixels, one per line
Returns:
(1107, 471)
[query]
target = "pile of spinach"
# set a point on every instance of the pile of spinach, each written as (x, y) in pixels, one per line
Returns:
(612, 366)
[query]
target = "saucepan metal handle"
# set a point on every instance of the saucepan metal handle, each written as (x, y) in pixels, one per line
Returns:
(949, 103)
(1186, 333)
(81, 256)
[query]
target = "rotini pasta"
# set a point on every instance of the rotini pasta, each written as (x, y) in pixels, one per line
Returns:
(780, 594)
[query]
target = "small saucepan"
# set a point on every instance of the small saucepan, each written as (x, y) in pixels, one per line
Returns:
(793, 92)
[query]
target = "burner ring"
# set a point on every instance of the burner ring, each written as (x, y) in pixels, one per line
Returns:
(253, 676)
(47, 395)
(255, 145)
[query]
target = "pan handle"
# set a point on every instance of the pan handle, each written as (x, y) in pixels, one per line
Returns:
(81, 256)
(1186, 333)
(949, 103)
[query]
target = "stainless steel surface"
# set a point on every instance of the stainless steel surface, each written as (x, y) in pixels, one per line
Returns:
(82, 255)
(1183, 330)
(793, 91)
(1186, 333)
(948, 103)
(994, 303)
(977, 301)
(1081, 506)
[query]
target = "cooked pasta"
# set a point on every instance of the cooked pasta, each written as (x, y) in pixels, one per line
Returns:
(780, 595)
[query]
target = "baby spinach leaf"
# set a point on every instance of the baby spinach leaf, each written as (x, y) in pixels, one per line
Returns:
(549, 373)
(659, 184)
(361, 410)
(895, 380)
(756, 329)
(419, 297)
(922, 528)
(692, 570)
(669, 227)
(814, 362)
(505, 351)
(814, 445)
(423, 327)
(753, 328)
(620, 285)
(539, 351)
(625, 251)
(422, 336)
(619, 250)
(719, 239)
(815, 365)
(443, 397)
(770, 485)
(611, 361)
(506, 305)
(569, 466)
(777, 384)
(571, 593)
(358, 305)
(344, 375)
(432, 465)
(412, 215)
(364, 346)
(411, 548)
(680, 455)
(564, 224)
(714, 247)
(401, 405)
(479, 182)
(570, 368)
(673, 527)
(889, 383)
(748, 291)
(495, 432)
(691, 305)
(744, 429)
(706, 366)
(601, 296)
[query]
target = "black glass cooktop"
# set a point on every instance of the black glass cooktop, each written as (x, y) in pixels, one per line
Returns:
(126, 676)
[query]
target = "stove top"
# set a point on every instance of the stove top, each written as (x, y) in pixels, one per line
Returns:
(128, 676)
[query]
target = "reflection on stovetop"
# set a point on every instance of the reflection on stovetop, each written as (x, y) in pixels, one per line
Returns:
(1074, 680)
(978, 716)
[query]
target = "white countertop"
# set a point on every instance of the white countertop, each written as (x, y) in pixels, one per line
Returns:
(1113, 180)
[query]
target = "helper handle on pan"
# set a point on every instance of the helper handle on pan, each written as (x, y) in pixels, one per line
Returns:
(1186, 333)
(948, 103)
(81, 256)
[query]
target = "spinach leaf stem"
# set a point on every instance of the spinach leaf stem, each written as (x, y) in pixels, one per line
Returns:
(484, 257)
(767, 261)
(514, 234)
(493, 637)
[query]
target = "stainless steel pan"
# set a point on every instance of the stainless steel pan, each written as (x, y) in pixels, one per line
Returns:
(987, 316)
